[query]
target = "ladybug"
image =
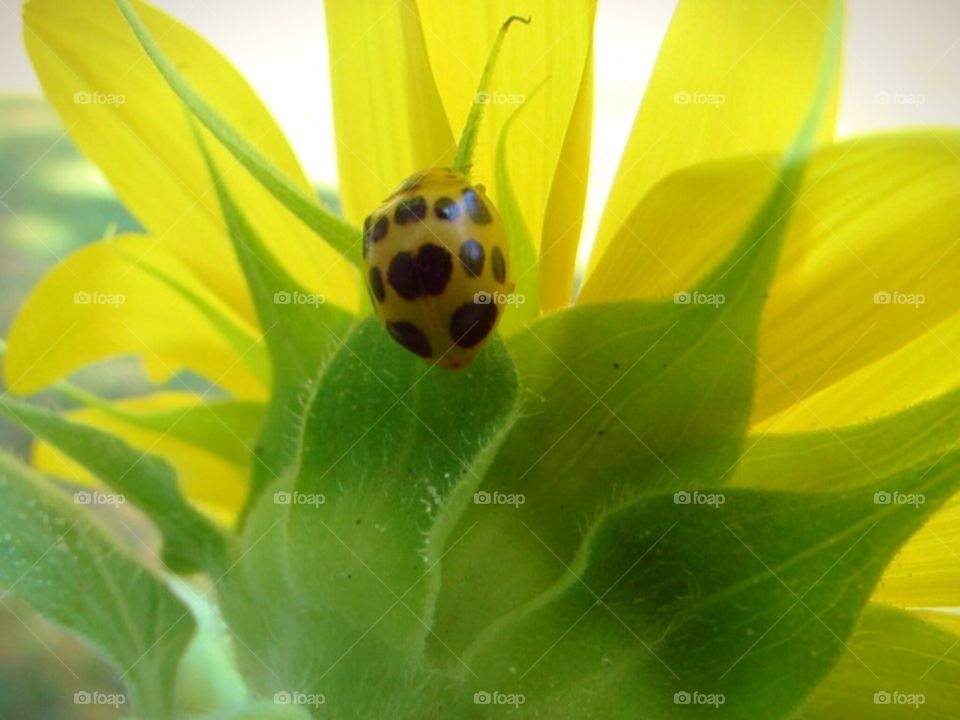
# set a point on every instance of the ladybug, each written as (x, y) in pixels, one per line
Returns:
(437, 263)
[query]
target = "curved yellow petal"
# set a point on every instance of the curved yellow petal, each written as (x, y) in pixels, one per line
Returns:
(215, 484)
(926, 571)
(681, 229)
(123, 116)
(568, 194)
(388, 117)
(733, 77)
(554, 50)
(868, 278)
(876, 215)
(102, 301)
(922, 369)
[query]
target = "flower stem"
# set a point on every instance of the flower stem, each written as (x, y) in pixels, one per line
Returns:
(468, 139)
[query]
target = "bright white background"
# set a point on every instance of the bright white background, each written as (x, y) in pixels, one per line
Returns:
(895, 46)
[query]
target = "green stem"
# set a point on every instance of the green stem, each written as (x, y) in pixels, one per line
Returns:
(336, 231)
(468, 139)
(77, 393)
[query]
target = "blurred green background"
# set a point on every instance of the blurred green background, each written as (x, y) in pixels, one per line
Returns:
(51, 202)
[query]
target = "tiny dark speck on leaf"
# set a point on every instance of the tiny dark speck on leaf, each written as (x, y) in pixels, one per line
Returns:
(358, 521)
(616, 366)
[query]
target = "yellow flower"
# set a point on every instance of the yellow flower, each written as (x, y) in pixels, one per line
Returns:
(861, 319)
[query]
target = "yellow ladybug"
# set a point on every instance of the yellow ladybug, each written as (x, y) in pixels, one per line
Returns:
(437, 256)
(438, 266)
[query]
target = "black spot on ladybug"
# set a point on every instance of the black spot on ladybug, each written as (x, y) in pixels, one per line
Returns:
(434, 267)
(376, 284)
(374, 232)
(411, 210)
(380, 229)
(471, 255)
(446, 209)
(472, 322)
(499, 265)
(476, 208)
(402, 276)
(411, 337)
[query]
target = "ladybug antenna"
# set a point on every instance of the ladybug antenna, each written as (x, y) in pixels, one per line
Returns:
(468, 139)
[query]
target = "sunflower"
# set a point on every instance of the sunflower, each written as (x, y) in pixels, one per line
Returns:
(719, 457)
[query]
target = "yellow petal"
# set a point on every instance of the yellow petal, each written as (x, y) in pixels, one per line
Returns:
(124, 117)
(878, 220)
(926, 571)
(733, 77)
(922, 369)
(876, 214)
(680, 230)
(568, 193)
(553, 48)
(388, 117)
(215, 484)
(99, 303)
